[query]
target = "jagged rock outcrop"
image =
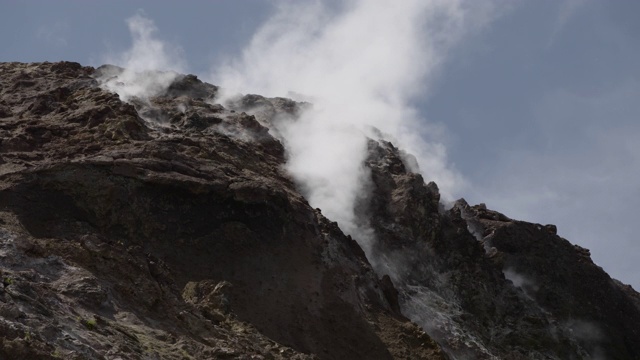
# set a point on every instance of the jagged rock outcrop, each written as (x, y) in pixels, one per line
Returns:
(166, 227)
(486, 286)
(180, 238)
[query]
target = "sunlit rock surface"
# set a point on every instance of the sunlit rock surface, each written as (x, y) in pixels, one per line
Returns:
(166, 227)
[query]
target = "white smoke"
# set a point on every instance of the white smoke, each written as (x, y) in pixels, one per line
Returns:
(526, 284)
(362, 63)
(149, 66)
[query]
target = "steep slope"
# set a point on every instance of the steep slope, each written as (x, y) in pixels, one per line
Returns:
(174, 237)
(165, 227)
(486, 286)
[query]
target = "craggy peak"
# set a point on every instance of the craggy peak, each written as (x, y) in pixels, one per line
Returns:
(165, 224)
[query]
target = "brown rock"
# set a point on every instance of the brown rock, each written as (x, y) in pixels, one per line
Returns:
(140, 215)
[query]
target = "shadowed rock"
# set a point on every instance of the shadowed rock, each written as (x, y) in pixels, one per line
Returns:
(165, 227)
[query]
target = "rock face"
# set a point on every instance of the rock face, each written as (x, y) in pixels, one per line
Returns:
(174, 239)
(486, 286)
(166, 228)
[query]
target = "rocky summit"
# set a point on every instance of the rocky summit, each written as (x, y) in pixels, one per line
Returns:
(167, 227)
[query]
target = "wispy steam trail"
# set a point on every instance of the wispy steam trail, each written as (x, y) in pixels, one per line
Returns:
(362, 64)
(150, 65)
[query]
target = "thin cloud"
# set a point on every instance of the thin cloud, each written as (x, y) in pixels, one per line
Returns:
(55, 34)
(566, 11)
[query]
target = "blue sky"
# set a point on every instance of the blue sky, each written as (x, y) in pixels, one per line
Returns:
(534, 104)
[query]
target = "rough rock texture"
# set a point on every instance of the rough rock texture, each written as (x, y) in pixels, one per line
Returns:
(180, 238)
(485, 286)
(166, 228)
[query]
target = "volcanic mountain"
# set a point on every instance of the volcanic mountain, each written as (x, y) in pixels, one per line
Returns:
(167, 227)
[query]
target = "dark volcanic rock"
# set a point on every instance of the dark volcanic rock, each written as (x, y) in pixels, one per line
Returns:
(486, 286)
(166, 228)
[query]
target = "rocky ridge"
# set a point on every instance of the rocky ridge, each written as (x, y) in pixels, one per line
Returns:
(489, 287)
(166, 228)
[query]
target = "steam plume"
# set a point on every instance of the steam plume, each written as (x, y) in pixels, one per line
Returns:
(150, 65)
(362, 63)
